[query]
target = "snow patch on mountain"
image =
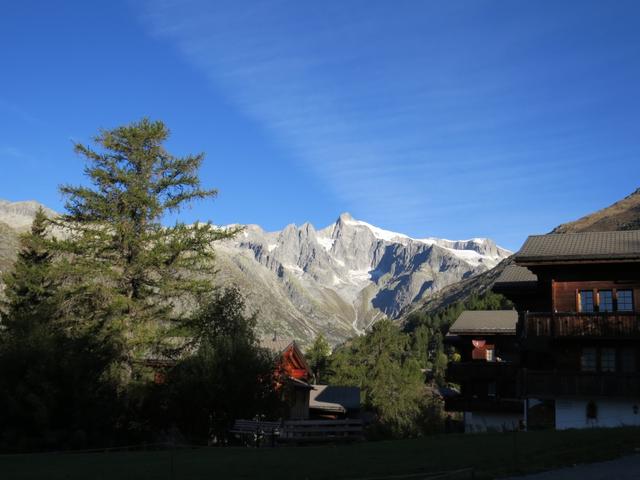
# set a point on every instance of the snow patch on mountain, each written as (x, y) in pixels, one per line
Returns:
(325, 242)
(377, 232)
(341, 279)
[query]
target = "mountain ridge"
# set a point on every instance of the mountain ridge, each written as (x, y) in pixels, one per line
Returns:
(621, 215)
(342, 278)
(337, 280)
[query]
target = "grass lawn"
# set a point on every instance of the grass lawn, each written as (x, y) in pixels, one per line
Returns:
(491, 455)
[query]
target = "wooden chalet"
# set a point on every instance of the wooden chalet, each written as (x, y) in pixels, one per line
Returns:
(292, 375)
(311, 413)
(487, 371)
(578, 298)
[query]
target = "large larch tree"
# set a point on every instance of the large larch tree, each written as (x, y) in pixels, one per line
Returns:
(130, 276)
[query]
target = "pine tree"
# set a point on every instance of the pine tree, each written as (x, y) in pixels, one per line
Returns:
(420, 345)
(391, 382)
(440, 359)
(228, 376)
(51, 383)
(129, 276)
(29, 288)
(318, 357)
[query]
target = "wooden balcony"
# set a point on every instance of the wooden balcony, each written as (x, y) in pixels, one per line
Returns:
(483, 404)
(534, 383)
(584, 325)
(461, 372)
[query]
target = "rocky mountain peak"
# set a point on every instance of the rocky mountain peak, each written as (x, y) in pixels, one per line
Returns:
(344, 217)
(342, 278)
(20, 215)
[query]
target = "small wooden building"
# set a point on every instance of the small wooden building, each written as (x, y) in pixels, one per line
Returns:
(487, 370)
(292, 375)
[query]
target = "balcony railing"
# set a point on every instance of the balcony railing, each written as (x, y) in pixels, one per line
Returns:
(558, 325)
(558, 383)
(485, 404)
(460, 372)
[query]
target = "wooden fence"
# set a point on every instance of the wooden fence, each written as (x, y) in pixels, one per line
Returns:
(298, 431)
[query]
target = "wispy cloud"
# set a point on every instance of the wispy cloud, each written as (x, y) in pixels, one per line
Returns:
(10, 156)
(389, 105)
(20, 113)
(12, 152)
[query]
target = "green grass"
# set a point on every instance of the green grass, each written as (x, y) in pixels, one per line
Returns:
(491, 455)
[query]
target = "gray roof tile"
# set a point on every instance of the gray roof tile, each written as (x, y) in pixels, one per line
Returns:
(622, 245)
(334, 398)
(485, 321)
(513, 274)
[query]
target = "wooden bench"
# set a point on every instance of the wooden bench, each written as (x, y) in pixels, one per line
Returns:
(254, 431)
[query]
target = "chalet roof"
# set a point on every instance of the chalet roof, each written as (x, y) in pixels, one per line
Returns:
(586, 246)
(514, 275)
(280, 345)
(334, 398)
(297, 383)
(472, 322)
(275, 343)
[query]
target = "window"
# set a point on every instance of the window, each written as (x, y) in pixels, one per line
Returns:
(625, 300)
(490, 354)
(605, 300)
(628, 360)
(491, 389)
(588, 360)
(608, 360)
(586, 300)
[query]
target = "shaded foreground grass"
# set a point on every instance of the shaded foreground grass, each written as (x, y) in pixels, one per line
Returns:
(491, 455)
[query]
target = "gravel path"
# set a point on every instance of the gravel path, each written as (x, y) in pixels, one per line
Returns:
(626, 468)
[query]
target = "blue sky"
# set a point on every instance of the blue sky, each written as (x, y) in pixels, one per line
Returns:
(451, 119)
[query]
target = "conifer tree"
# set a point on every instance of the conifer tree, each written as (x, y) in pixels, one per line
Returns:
(318, 357)
(390, 379)
(51, 382)
(228, 376)
(29, 288)
(128, 275)
(420, 345)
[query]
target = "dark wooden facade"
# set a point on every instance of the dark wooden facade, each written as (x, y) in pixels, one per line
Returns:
(570, 383)
(485, 386)
(587, 330)
(579, 332)
(487, 372)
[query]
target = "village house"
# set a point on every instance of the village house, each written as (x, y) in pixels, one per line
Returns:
(486, 372)
(578, 297)
(292, 375)
(310, 413)
(302, 398)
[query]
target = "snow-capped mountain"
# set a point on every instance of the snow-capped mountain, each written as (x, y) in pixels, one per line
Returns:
(341, 279)
(338, 280)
